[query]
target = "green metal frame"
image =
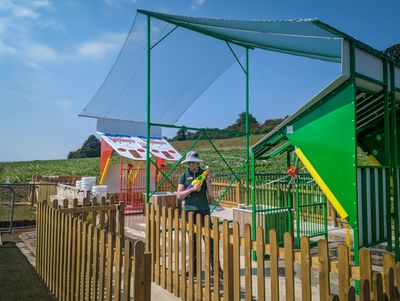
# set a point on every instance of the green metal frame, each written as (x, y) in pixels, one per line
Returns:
(203, 131)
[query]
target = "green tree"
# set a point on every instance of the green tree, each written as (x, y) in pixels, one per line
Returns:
(393, 51)
(89, 149)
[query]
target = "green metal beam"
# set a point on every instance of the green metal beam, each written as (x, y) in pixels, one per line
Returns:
(278, 151)
(247, 128)
(193, 128)
(148, 115)
(159, 41)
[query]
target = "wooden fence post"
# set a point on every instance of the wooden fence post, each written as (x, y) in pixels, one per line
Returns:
(274, 268)
(176, 250)
(323, 260)
(228, 254)
(183, 257)
(305, 269)
(128, 268)
(289, 267)
(215, 231)
(139, 267)
(236, 261)
(344, 268)
(207, 258)
(170, 218)
(199, 252)
(260, 265)
(164, 249)
(191, 258)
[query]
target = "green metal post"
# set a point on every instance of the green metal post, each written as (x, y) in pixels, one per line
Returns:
(247, 129)
(298, 228)
(253, 200)
(355, 229)
(394, 161)
(148, 115)
(387, 160)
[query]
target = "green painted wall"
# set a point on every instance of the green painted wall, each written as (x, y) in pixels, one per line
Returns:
(326, 136)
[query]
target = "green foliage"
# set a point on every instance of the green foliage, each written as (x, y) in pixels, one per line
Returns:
(89, 149)
(22, 172)
(393, 51)
(237, 129)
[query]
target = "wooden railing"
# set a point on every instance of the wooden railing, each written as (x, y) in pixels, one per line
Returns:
(170, 238)
(79, 261)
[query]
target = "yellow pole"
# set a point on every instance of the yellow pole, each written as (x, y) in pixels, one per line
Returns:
(103, 176)
(330, 196)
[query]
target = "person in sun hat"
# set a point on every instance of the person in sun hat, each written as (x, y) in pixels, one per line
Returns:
(196, 197)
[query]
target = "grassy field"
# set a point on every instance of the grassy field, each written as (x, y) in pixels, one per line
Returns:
(232, 149)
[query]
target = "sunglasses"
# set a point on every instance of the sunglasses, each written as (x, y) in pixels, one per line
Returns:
(192, 163)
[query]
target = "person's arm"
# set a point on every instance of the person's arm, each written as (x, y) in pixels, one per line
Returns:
(181, 193)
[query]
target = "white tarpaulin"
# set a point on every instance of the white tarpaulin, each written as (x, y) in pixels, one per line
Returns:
(135, 147)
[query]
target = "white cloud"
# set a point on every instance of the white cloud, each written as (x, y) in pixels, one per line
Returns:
(118, 3)
(42, 3)
(63, 104)
(37, 52)
(24, 12)
(196, 4)
(100, 48)
(5, 49)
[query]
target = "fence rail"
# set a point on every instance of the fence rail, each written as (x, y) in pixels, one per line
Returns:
(186, 251)
(80, 261)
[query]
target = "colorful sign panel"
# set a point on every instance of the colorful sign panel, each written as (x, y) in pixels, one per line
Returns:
(135, 147)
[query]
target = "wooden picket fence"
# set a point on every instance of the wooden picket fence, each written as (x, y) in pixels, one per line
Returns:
(170, 239)
(79, 261)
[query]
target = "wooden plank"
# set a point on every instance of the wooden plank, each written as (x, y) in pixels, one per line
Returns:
(236, 261)
(248, 262)
(121, 220)
(77, 266)
(377, 287)
(164, 249)
(227, 261)
(364, 290)
(59, 255)
(64, 251)
(176, 253)
(148, 228)
(72, 271)
(183, 293)
(199, 251)
(95, 263)
(102, 263)
(147, 278)
(215, 242)
(89, 259)
(289, 267)
(157, 230)
(94, 213)
(260, 265)
(274, 264)
(109, 269)
(392, 289)
(117, 267)
(51, 249)
(170, 250)
(388, 262)
(128, 269)
(305, 269)
(207, 259)
(350, 294)
(344, 267)
(153, 230)
(83, 260)
(397, 275)
(139, 271)
(102, 218)
(190, 292)
(324, 282)
(365, 265)
(38, 234)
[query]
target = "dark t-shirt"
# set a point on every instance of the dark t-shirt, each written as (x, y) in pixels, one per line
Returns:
(196, 201)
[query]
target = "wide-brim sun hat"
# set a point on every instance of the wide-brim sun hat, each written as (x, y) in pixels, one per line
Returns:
(192, 156)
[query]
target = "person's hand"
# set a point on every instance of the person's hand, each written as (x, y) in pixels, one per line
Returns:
(196, 188)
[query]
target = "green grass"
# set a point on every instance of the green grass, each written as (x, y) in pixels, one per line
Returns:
(18, 279)
(232, 149)
(21, 213)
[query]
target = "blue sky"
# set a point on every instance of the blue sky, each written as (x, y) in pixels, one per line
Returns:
(54, 55)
